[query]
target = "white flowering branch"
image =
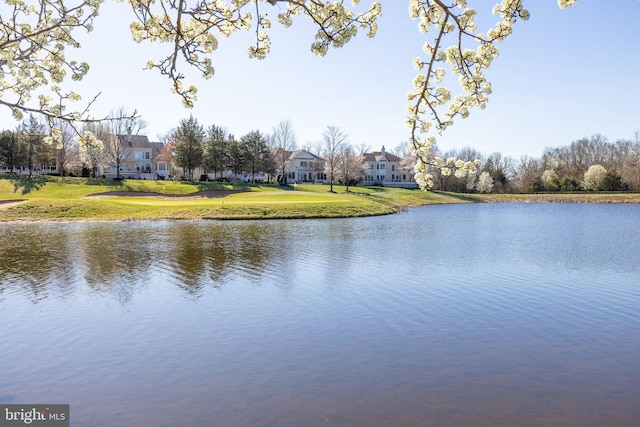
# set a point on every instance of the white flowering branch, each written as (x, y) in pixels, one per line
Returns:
(35, 34)
(467, 53)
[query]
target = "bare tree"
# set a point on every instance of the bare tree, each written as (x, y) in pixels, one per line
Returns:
(126, 123)
(66, 147)
(500, 168)
(314, 147)
(283, 142)
(402, 149)
(349, 166)
(112, 136)
(334, 139)
(528, 169)
(362, 148)
(114, 152)
(633, 162)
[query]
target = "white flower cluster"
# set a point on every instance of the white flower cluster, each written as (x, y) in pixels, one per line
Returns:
(457, 45)
(37, 32)
(55, 138)
(337, 24)
(35, 35)
(459, 168)
(89, 142)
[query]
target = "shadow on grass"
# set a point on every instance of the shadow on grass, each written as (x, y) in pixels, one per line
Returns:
(25, 184)
(233, 185)
(357, 193)
(105, 181)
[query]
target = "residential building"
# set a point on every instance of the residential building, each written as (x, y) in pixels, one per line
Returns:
(302, 166)
(140, 159)
(382, 168)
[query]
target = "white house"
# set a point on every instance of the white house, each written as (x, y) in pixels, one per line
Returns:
(382, 168)
(302, 166)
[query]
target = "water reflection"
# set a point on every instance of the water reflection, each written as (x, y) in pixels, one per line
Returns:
(35, 259)
(449, 315)
(118, 258)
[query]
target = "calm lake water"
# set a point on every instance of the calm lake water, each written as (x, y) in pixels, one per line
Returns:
(469, 315)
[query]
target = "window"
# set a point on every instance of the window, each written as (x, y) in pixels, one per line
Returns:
(291, 175)
(141, 155)
(162, 166)
(370, 165)
(383, 166)
(303, 164)
(393, 167)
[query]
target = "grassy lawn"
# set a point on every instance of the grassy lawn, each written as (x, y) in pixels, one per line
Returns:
(54, 198)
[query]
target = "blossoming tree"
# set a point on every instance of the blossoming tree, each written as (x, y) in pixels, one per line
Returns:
(36, 33)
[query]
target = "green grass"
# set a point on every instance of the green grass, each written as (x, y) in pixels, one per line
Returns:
(578, 197)
(54, 198)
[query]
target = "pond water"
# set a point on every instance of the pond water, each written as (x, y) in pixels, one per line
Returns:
(461, 315)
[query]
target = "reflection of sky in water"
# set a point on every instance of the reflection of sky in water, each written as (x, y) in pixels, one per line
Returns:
(485, 314)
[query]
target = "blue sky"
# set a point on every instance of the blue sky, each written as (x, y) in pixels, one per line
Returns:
(562, 75)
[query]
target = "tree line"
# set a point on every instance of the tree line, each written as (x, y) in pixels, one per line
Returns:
(193, 147)
(215, 151)
(588, 164)
(60, 148)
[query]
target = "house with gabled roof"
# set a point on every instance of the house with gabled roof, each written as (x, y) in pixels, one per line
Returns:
(389, 170)
(140, 158)
(301, 166)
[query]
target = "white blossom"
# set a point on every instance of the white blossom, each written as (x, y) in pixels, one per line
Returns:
(191, 30)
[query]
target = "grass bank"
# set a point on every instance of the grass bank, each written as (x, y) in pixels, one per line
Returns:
(55, 198)
(556, 198)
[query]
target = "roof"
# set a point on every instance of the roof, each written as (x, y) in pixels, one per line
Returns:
(296, 154)
(137, 141)
(142, 141)
(378, 156)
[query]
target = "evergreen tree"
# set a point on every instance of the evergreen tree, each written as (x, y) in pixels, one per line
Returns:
(188, 146)
(32, 131)
(216, 150)
(257, 151)
(12, 150)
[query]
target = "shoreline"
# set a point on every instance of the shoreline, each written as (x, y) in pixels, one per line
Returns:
(83, 200)
(398, 208)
